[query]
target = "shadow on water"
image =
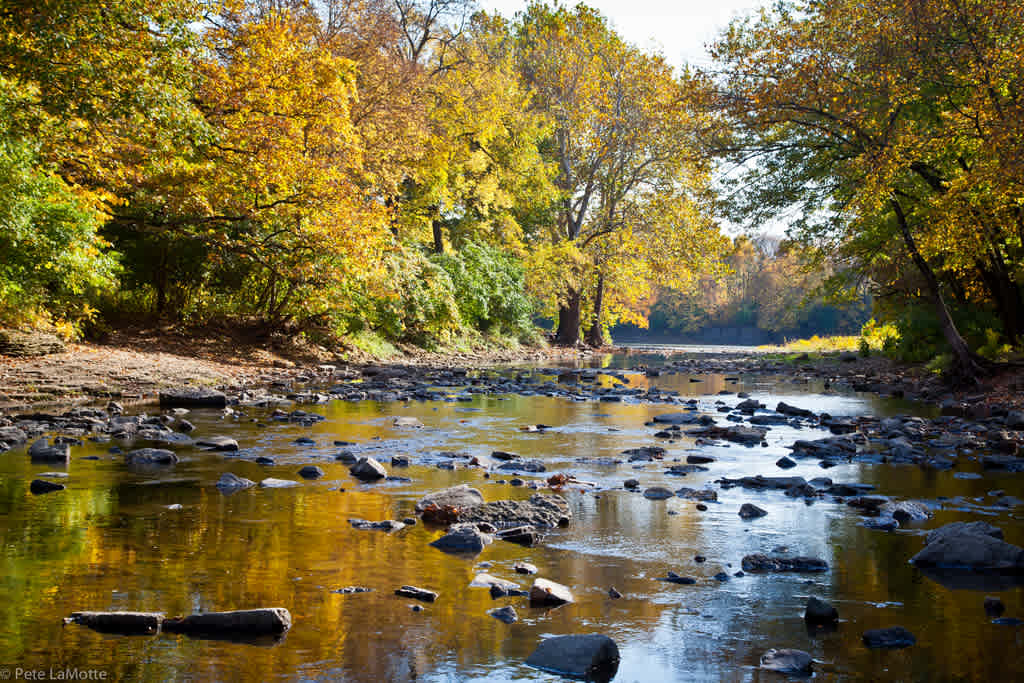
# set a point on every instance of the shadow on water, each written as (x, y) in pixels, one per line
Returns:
(167, 540)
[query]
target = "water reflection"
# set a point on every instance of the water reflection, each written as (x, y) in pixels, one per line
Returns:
(113, 541)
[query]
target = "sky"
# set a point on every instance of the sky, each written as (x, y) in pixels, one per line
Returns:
(679, 29)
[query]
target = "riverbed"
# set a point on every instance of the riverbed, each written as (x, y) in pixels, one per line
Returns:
(168, 540)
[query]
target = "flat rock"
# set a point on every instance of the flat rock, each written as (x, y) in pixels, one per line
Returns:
(189, 397)
(591, 657)
(523, 466)
(273, 621)
(525, 568)
(271, 483)
(707, 495)
(417, 593)
(545, 593)
(217, 443)
(461, 496)
(387, 525)
(119, 623)
(677, 418)
(787, 661)
(484, 580)
(150, 456)
(958, 528)
(892, 637)
(407, 422)
(541, 510)
(759, 562)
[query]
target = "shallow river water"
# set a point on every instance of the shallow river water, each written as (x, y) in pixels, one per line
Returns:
(112, 541)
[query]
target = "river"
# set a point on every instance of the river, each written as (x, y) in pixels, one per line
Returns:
(169, 541)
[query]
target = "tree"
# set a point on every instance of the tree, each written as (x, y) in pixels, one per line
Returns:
(623, 140)
(881, 119)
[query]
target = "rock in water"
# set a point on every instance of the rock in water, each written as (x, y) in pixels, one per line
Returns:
(311, 472)
(40, 486)
(658, 493)
(189, 397)
(820, 612)
(794, 662)
(120, 623)
(750, 511)
(506, 614)
(368, 469)
(150, 456)
(541, 510)
(273, 621)
(42, 451)
(461, 496)
(271, 483)
(592, 657)
(462, 538)
(218, 443)
(416, 593)
(759, 562)
(546, 593)
(994, 607)
(892, 637)
(963, 546)
(229, 483)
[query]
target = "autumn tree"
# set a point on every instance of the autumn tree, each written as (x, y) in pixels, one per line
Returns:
(623, 142)
(894, 124)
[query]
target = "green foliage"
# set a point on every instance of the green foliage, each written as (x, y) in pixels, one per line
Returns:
(54, 263)
(489, 289)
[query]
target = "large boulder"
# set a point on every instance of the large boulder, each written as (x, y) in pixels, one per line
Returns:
(461, 496)
(192, 397)
(591, 657)
(463, 538)
(541, 510)
(969, 547)
(820, 612)
(368, 469)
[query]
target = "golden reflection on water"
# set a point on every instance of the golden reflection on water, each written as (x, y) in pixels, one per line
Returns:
(111, 542)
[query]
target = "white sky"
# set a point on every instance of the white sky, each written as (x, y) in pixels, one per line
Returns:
(679, 29)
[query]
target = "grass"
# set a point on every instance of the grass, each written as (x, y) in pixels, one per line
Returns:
(818, 344)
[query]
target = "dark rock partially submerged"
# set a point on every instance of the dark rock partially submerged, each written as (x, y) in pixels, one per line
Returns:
(119, 623)
(416, 593)
(759, 562)
(592, 657)
(541, 510)
(150, 456)
(41, 486)
(463, 538)
(893, 637)
(251, 623)
(189, 397)
(960, 546)
(787, 661)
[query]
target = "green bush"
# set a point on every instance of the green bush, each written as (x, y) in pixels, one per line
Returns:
(489, 289)
(53, 263)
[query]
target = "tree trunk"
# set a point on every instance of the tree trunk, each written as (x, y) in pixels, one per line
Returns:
(438, 236)
(968, 366)
(595, 335)
(568, 333)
